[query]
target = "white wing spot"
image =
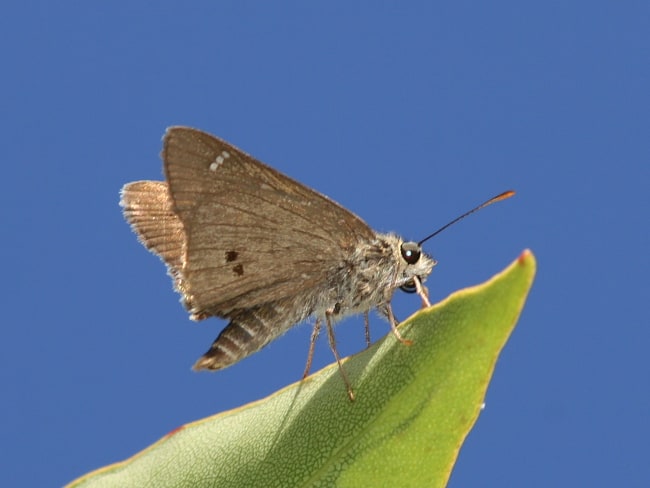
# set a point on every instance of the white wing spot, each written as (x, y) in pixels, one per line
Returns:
(225, 154)
(216, 163)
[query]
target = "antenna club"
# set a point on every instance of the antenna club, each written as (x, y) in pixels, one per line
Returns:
(498, 198)
(503, 196)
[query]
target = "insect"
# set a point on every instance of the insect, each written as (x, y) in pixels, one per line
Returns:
(244, 242)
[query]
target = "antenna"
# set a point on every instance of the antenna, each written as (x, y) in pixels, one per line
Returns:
(498, 198)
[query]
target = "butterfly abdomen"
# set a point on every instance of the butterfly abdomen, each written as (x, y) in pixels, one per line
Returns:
(247, 332)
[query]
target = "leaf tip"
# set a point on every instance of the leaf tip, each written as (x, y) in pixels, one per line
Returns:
(525, 256)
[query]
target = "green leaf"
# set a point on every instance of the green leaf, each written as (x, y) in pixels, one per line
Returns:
(414, 407)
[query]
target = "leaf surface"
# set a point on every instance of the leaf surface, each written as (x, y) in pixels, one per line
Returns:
(414, 407)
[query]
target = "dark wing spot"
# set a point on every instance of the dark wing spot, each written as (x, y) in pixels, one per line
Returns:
(238, 269)
(231, 256)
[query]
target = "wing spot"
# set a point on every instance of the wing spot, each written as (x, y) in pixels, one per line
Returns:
(218, 161)
(231, 256)
(238, 269)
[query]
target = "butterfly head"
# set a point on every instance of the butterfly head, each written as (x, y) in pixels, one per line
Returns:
(421, 264)
(415, 264)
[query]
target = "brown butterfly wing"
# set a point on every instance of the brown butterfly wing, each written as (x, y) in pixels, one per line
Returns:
(148, 208)
(253, 235)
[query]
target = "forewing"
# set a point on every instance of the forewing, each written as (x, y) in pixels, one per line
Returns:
(253, 234)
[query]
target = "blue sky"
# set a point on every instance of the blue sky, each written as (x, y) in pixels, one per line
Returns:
(407, 114)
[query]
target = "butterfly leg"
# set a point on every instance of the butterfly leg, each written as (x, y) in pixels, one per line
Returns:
(312, 345)
(332, 341)
(366, 321)
(388, 312)
(422, 291)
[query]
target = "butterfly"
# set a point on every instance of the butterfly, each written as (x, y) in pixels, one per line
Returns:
(246, 243)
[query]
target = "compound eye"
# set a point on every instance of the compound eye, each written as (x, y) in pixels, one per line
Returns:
(409, 287)
(411, 252)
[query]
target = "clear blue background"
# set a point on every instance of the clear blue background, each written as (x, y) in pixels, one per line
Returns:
(408, 113)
